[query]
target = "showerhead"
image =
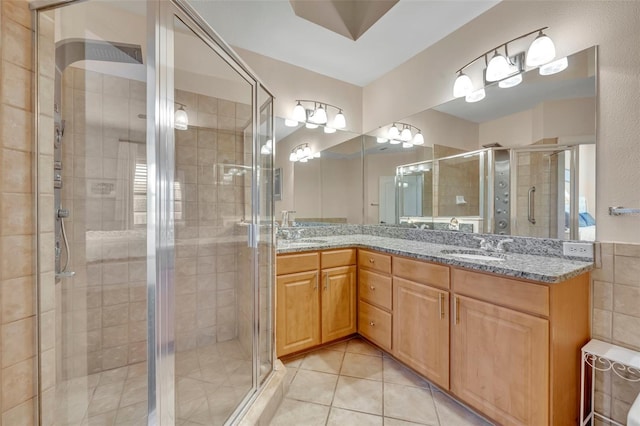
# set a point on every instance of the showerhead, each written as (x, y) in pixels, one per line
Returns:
(73, 50)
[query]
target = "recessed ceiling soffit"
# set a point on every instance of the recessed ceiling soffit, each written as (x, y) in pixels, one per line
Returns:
(349, 18)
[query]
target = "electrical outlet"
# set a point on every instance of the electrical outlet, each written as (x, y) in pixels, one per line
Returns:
(577, 249)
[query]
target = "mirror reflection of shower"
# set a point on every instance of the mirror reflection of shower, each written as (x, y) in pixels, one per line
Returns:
(67, 52)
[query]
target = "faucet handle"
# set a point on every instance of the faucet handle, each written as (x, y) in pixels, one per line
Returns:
(484, 244)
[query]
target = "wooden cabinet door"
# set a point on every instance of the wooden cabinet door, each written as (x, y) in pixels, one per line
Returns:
(500, 362)
(297, 312)
(421, 329)
(338, 302)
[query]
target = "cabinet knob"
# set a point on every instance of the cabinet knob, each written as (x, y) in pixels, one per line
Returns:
(371, 323)
(371, 260)
(372, 287)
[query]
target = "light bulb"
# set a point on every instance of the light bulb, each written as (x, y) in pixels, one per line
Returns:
(319, 116)
(462, 86)
(511, 81)
(406, 145)
(311, 126)
(476, 96)
(393, 132)
(498, 68)
(406, 135)
(329, 129)
(181, 119)
(418, 139)
(306, 152)
(339, 122)
(299, 153)
(541, 51)
(299, 113)
(290, 123)
(293, 157)
(382, 140)
(554, 67)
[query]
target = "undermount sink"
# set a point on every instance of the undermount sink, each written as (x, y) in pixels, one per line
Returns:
(475, 255)
(303, 241)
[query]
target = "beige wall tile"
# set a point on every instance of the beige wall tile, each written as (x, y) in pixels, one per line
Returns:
(16, 256)
(627, 270)
(601, 324)
(21, 415)
(16, 91)
(626, 330)
(20, 336)
(16, 171)
(631, 250)
(18, 383)
(16, 125)
(602, 295)
(16, 43)
(626, 299)
(17, 10)
(16, 214)
(18, 298)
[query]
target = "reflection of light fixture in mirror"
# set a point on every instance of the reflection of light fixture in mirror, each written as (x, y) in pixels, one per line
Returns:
(510, 82)
(382, 140)
(406, 136)
(302, 153)
(181, 119)
(290, 123)
(462, 86)
(505, 68)
(554, 67)
(309, 111)
(541, 51)
(476, 96)
(267, 148)
(311, 126)
(328, 129)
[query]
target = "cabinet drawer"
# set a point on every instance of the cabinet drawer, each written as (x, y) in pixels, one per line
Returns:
(376, 261)
(374, 324)
(421, 272)
(519, 295)
(299, 262)
(374, 288)
(333, 258)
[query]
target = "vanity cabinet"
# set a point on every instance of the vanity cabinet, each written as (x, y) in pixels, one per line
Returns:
(515, 346)
(421, 318)
(316, 299)
(375, 297)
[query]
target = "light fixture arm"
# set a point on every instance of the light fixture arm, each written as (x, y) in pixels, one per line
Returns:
(407, 125)
(499, 46)
(316, 103)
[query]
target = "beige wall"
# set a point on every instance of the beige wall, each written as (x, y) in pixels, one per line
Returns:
(426, 80)
(17, 285)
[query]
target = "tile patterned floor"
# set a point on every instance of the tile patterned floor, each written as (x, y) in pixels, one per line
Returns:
(210, 383)
(353, 384)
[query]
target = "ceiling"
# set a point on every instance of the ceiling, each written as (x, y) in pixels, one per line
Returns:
(271, 28)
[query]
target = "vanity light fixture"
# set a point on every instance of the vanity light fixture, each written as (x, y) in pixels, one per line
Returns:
(180, 118)
(302, 153)
(316, 113)
(507, 70)
(406, 137)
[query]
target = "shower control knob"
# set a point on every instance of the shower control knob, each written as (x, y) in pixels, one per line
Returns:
(502, 224)
(62, 213)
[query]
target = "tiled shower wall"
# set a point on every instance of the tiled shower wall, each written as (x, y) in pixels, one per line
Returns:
(17, 282)
(616, 319)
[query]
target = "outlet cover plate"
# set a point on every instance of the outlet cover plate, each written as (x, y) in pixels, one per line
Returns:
(577, 249)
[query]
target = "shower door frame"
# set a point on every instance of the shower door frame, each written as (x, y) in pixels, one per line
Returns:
(160, 210)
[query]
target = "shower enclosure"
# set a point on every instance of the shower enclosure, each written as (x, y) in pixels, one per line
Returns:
(155, 212)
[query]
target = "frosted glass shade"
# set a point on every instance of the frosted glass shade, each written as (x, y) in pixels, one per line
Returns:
(329, 130)
(181, 119)
(339, 122)
(462, 86)
(406, 135)
(382, 140)
(393, 132)
(290, 123)
(476, 96)
(319, 116)
(299, 113)
(511, 81)
(498, 68)
(541, 51)
(418, 139)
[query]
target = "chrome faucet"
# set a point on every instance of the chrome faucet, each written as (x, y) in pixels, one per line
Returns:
(484, 244)
(285, 217)
(454, 225)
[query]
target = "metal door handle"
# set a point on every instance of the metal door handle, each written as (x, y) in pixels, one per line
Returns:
(326, 281)
(315, 285)
(371, 260)
(441, 305)
(372, 287)
(371, 323)
(456, 309)
(531, 205)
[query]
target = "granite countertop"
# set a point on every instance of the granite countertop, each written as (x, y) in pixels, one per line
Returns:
(536, 268)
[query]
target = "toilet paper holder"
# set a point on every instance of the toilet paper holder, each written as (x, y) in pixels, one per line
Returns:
(601, 356)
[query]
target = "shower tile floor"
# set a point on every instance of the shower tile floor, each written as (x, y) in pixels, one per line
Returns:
(354, 384)
(210, 382)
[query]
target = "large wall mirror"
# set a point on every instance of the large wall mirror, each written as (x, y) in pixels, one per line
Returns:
(519, 162)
